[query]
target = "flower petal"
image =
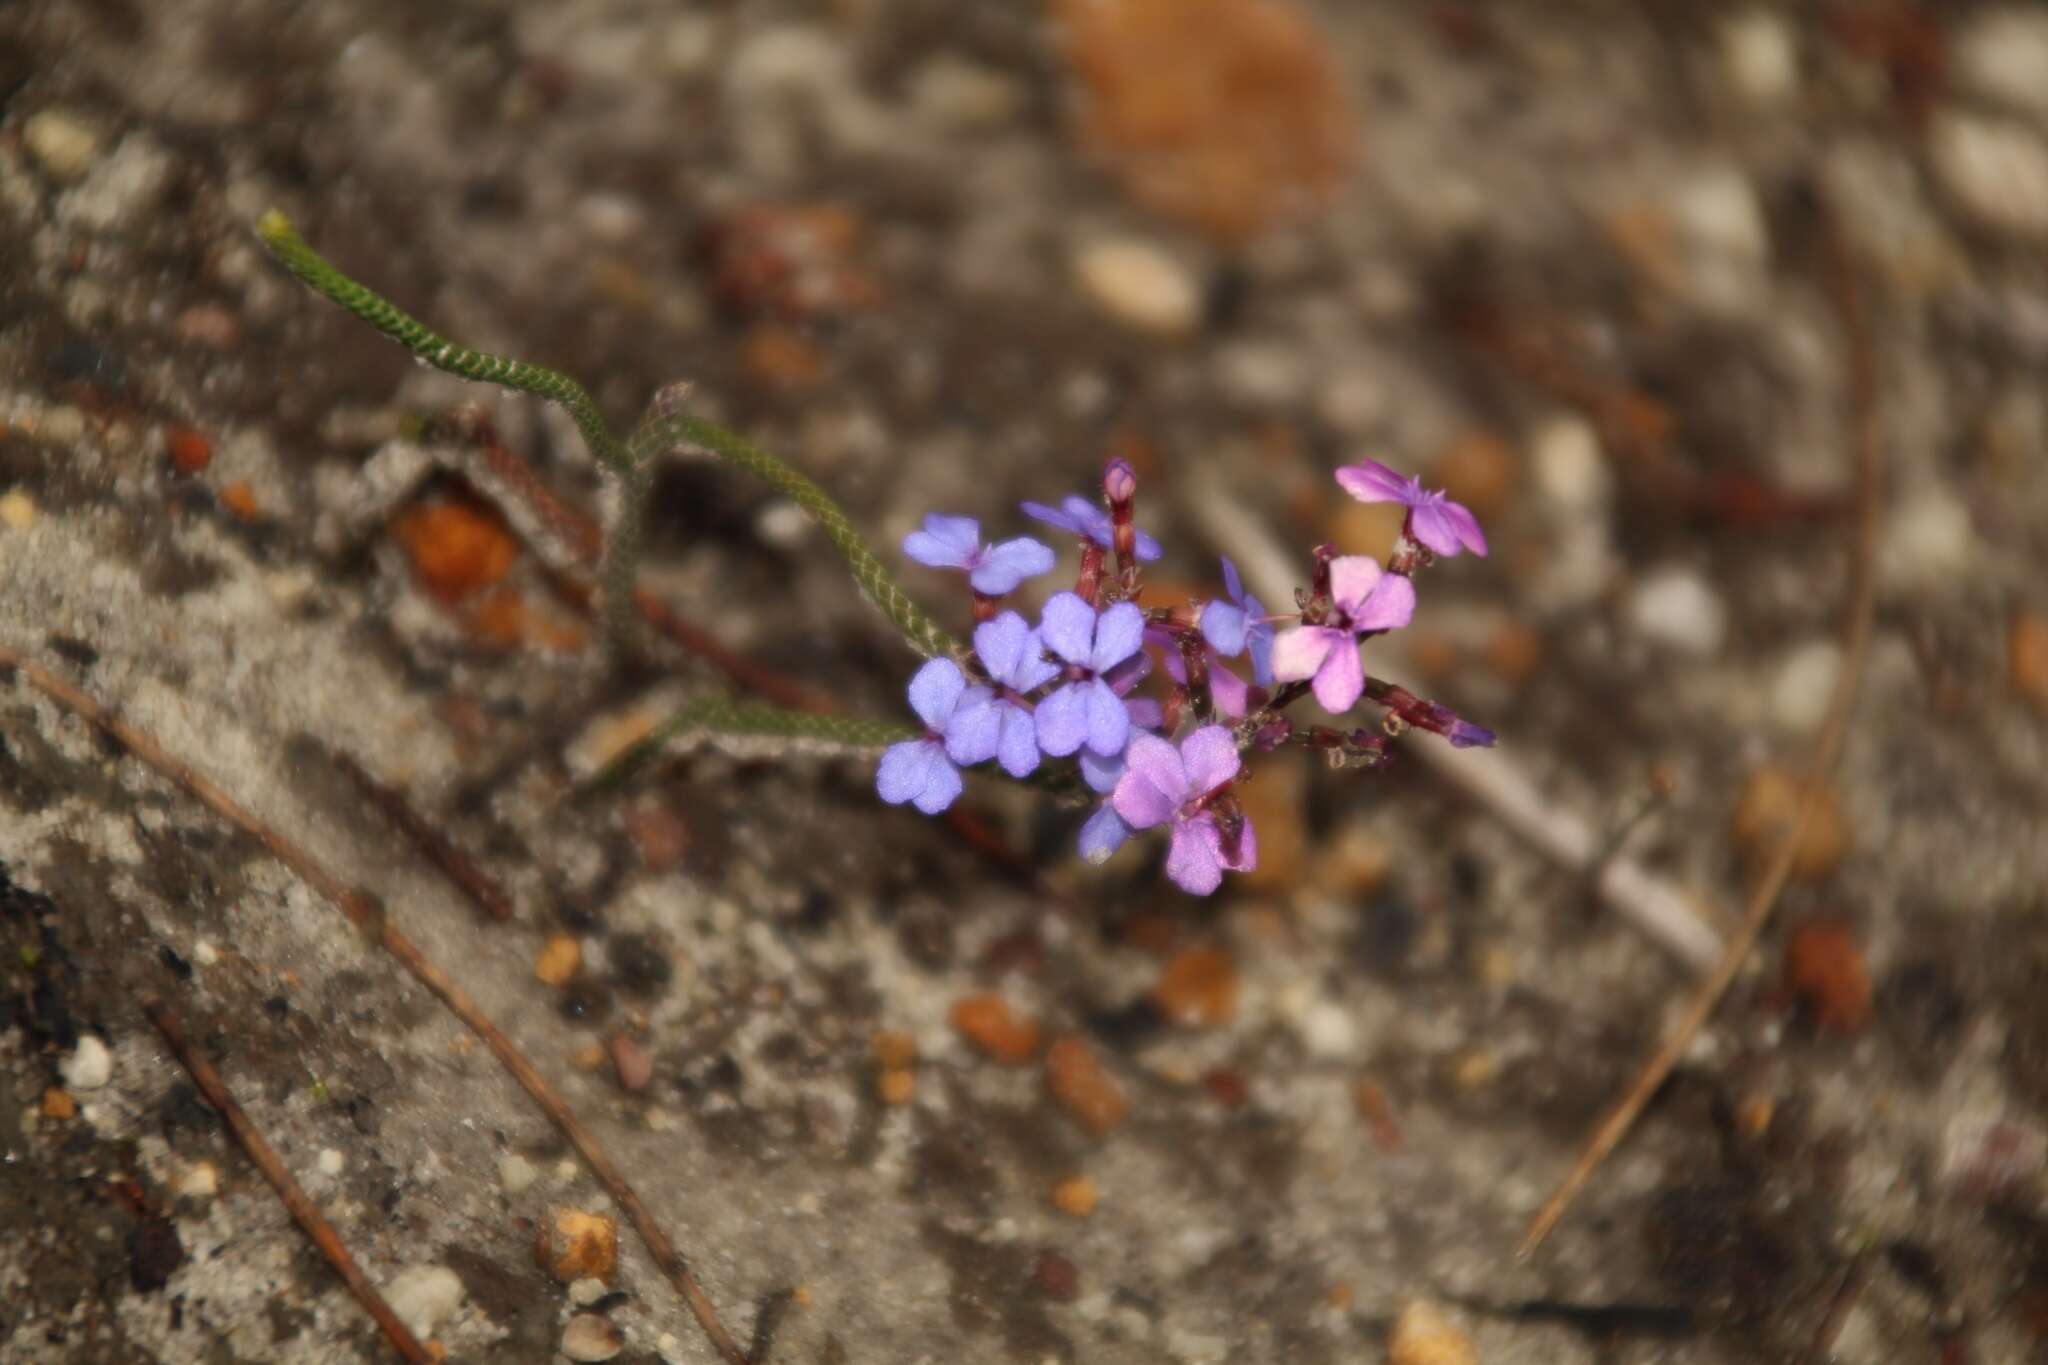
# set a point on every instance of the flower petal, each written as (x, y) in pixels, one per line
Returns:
(1117, 636)
(1067, 625)
(1147, 548)
(1339, 681)
(1223, 626)
(1000, 644)
(1088, 519)
(1467, 526)
(906, 769)
(1051, 516)
(1192, 861)
(1389, 606)
(1228, 691)
(1154, 783)
(1006, 565)
(1298, 653)
(1371, 481)
(1428, 524)
(975, 729)
(1352, 578)
(1109, 725)
(945, 542)
(941, 787)
(1062, 720)
(1145, 712)
(1258, 638)
(1233, 587)
(1101, 771)
(1210, 758)
(1104, 834)
(1017, 748)
(935, 690)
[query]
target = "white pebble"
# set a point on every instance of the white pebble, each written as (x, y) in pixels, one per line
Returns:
(964, 96)
(89, 1066)
(589, 1337)
(1571, 471)
(17, 510)
(1716, 208)
(2002, 55)
(424, 1296)
(1761, 55)
(782, 524)
(586, 1291)
(204, 953)
(1675, 607)
(121, 187)
(61, 144)
(566, 1170)
(1928, 538)
(200, 1180)
(516, 1173)
(669, 1347)
(1805, 683)
(330, 1162)
(1140, 284)
(1995, 169)
(1261, 374)
(1328, 1030)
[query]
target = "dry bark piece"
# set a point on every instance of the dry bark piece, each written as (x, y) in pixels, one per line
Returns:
(1083, 1086)
(573, 1244)
(1227, 115)
(1002, 1035)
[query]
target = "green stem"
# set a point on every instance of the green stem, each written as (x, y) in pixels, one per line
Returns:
(781, 732)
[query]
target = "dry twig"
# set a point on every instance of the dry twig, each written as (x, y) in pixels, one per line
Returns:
(436, 847)
(1827, 748)
(302, 1210)
(366, 913)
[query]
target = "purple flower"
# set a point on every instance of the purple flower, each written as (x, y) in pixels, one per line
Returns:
(1433, 519)
(955, 543)
(1239, 622)
(1087, 710)
(1163, 785)
(1366, 599)
(919, 770)
(1105, 831)
(1080, 517)
(998, 724)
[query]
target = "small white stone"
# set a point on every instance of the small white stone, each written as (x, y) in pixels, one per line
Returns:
(516, 1173)
(61, 144)
(17, 510)
(424, 1296)
(668, 1347)
(2002, 54)
(589, 1337)
(1352, 401)
(1139, 283)
(586, 1291)
(204, 953)
(1805, 683)
(330, 1162)
(1761, 55)
(122, 186)
(1928, 538)
(962, 95)
(89, 1066)
(1571, 471)
(1995, 169)
(782, 524)
(200, 1180)
(1261, 374)
(1716, 208)
(1675, 607)
(566, 1170)
(1328, 1030)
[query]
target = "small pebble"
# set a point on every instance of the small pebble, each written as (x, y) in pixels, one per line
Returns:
(1140, 284)
(586, 1291)
(633, 1063)
(2002, 55)
(189, 449)
(1056, 1277)
(240, 499)
(896, 1086)
(330, 1162)
(1327, 1030)
(60, 143)
(1001, 1034)
(1805, 684)
(1422, 1335)
(1075, 1196)
(209, 325)
(200, 1180)
(894, 1050)
(1760, 52)
(559, 958)
(573, 1243)
(590, 1337)
(1824, 967)
(1764, 815)
(1083, 1086)
(17, 510)
(204, 954)
(1676, 608)
(1996, 170)
(58, 1104)
(516, 1173)
(2026, 657)
(1198, 988)
(424, 1296)
(1571, 471)
(89, 1066)
(456, 548)
(964, 96)
(1927, 540)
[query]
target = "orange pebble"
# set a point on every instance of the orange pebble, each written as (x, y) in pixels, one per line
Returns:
(896, 1086)
(1198, 987)
(1083, 1086)
(1824, 966)
(559, 958)
(240, 499)
(456, 547)
(988, 1022)
(1075, 1196)
(894, 1050)
(58, 1104)
(189, 449)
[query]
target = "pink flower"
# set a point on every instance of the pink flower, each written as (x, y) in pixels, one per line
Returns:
(1433, 519)
(1366, 599)
(1163, 785)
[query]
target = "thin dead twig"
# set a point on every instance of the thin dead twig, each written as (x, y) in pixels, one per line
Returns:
(1827, 747)
(366, 913)
(434, 845)
(302, 1210)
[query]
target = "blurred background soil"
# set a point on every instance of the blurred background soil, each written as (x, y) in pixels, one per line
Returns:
(928, 1101)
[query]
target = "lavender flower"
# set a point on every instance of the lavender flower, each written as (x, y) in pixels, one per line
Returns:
(1237, 623)
(1433, 519)
(1105, 831)
(919, 770)
(1087, 710)
(993, 570)
(999, 724)
(1080, 517)
(1365, 599)
(1163, 785)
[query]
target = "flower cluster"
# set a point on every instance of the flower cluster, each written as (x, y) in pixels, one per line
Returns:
(1067, 687)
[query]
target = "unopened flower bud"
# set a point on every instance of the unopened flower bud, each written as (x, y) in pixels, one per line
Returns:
(1119, 481)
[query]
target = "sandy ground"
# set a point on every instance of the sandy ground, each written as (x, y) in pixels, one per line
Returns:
(1577, 270)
